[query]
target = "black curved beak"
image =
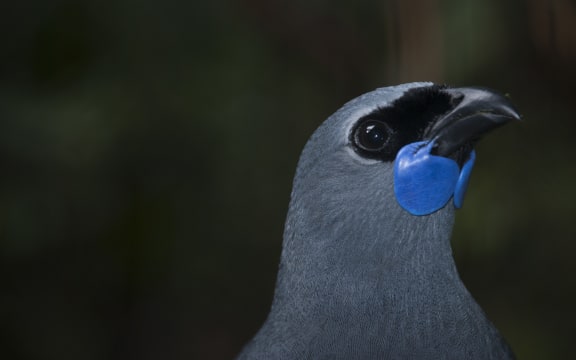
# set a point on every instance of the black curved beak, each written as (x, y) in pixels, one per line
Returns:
(478, 111)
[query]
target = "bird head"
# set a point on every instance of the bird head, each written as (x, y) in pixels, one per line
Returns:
(387, 164)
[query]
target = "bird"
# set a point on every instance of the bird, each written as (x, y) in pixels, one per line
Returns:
(366, 269)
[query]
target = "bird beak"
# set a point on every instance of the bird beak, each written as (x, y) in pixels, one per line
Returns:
(478, 112)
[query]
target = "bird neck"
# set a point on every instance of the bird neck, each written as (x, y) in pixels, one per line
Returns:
(346, 263)
(373, 294)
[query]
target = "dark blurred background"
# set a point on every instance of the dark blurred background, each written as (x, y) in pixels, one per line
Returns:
(147, 150)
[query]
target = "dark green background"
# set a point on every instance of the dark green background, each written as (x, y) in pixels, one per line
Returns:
(147, 150)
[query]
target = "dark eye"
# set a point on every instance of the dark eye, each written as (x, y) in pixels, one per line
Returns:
(371, 135)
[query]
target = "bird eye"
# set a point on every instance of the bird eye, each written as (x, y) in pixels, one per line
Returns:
(371, 135)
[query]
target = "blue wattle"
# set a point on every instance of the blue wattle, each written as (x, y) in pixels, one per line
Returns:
(463, 180)
(424, 183)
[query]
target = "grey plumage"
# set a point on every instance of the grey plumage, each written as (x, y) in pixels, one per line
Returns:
(360, 277)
